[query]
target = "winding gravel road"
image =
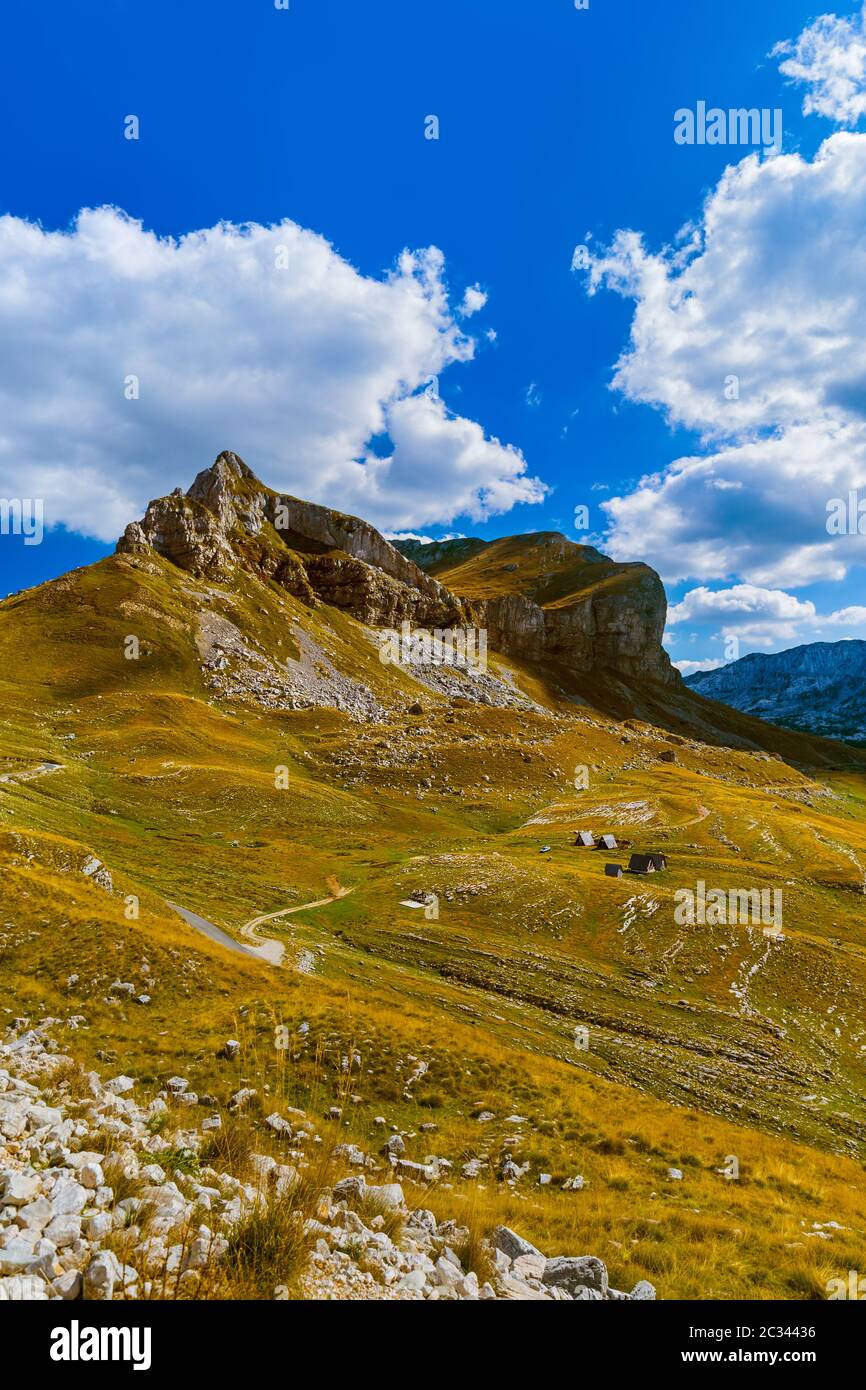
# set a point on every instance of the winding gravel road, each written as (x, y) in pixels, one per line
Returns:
(266, 948)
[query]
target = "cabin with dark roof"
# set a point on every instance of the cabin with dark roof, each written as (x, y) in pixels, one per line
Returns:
(584, 838)
(647, 863)
(613, 870)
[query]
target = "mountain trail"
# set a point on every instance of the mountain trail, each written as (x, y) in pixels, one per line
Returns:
(273, 950)
(29, 773)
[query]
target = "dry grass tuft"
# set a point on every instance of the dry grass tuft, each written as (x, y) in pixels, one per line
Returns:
(268, 1250)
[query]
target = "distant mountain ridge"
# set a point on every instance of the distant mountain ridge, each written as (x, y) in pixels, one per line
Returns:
(432, 555)
(819, 688)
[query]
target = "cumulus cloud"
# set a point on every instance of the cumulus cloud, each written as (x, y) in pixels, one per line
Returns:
(742, 600)
(438, 449)
(474, 299)
(854, 616)
(750, 333)
(829, 59)
(760, 617)
(425, 540)
(259, 339)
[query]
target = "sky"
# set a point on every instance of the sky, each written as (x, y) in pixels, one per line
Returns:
(459, 268)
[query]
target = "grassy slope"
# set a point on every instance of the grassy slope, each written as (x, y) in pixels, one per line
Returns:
(544, 566)
(161, 779)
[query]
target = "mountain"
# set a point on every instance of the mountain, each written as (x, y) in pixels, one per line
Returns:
(541, 598)
(819, 688)
(224, 818)
(430, 555)
(588, 627)
(544, 598)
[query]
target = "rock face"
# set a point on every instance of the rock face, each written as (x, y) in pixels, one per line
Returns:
(229, 519)
(818, 688)
(619, 632)
(188, 535)
(613, 620)
(546, 599)
(373, 596)
(333, 531)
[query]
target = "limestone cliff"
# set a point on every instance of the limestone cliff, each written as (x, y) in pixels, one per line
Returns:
(545, 598)
(229, 519)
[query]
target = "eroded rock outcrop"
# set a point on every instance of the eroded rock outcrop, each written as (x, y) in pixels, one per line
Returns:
(620, 631)
(229, 519)
(613, 620)
(188, 535)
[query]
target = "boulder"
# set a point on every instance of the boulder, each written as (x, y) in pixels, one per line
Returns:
(20, 1257)
(577, 1271)
(511, 1244)
(104, 1274)
(35, 1215)
(120, 1085)
(17, 1189)
(68, 1286)
(389, 1194)
(529, 1267)
(353, 1188)
(23, 1288)
(67, 1197)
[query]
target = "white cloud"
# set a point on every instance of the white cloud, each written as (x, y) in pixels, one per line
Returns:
(760, 617)
(295, 368)
(829, 58)
(474, 299)
(854, 616)
(772, 292)
(741, 601)
(532, 395)
(425, 540)
(440, 451)
(751, 333)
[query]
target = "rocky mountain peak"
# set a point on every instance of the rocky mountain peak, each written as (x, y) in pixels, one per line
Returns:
(541, 597)
(231, 490)
(230, 521)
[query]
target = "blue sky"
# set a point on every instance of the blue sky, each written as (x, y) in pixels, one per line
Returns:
(555, 124)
